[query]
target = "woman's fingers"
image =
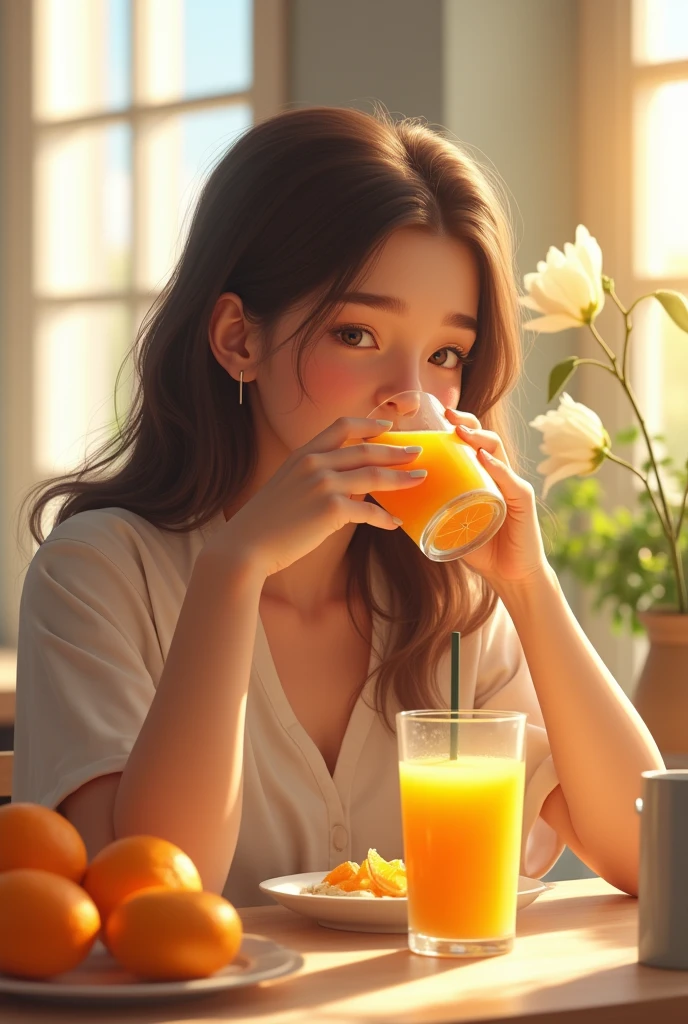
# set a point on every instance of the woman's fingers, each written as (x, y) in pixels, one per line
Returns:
(469, 429)
(513, 487)
(485, 439)
(376, 478)
(346, 428)
(457, 416)
(354, 456)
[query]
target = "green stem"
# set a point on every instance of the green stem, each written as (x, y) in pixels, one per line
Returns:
(650, 295)
(646, 483)
(665, 519)
(629, 327)
(675, 555)
(682, 510)
(596, 362)
(600, 340)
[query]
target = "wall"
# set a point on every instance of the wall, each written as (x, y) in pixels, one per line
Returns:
(348, 54)
(510, 93)
(501, 76)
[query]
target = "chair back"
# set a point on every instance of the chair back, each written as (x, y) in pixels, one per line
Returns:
(6, 762)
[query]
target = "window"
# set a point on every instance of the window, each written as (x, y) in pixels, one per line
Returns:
(660, 195)
(115, 111)
(632, 150)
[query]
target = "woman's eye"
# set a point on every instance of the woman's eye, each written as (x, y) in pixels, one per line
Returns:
(449, 358)
(353, 336)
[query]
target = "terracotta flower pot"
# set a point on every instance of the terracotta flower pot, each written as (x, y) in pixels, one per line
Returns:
(661, 696)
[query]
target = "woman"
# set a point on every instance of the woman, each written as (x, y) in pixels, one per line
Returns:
(217, 633)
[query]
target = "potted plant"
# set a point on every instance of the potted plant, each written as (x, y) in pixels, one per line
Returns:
(636, 560)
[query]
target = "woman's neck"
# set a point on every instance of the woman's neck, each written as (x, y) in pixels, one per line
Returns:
(315, 581)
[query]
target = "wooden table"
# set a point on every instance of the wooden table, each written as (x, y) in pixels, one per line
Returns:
(574, 958)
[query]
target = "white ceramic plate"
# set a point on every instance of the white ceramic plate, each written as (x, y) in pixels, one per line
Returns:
(356, 914)
(100, 979)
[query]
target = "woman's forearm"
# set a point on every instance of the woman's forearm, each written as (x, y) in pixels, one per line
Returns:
(599, 742)
(183, 779)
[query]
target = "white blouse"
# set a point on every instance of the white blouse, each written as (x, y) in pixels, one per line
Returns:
(98, 611)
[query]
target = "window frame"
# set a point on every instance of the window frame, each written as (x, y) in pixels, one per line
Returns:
(19, 306)
(606, 134)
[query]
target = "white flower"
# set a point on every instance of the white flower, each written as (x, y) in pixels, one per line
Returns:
(574, 439)
(567, 287)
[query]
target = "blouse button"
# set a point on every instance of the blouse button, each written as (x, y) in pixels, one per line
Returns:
(340, 837)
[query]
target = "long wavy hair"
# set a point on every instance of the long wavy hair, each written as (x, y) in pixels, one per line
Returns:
(294, 211)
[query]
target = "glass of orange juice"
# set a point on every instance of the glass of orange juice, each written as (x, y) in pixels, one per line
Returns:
(458, 506)
(462, 818)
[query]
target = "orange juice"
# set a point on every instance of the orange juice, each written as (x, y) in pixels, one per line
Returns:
(453, 470)
(462, 839)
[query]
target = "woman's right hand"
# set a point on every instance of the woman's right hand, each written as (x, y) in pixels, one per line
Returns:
(312, 495)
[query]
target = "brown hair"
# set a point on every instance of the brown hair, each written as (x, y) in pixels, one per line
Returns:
(295, 209)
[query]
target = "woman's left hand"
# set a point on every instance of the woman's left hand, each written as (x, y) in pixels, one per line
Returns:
(516, 550)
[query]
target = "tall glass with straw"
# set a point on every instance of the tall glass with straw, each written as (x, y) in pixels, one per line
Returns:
(462, 778)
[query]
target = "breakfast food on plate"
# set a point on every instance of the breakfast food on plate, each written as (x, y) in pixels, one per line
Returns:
(141, 895)
(375, 878)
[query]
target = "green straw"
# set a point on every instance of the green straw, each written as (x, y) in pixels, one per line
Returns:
(455, 674)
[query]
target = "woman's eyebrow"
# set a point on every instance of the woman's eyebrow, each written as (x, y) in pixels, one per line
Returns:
(398, 306)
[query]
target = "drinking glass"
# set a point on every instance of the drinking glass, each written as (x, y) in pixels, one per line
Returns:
(462, 776)
(458, 506)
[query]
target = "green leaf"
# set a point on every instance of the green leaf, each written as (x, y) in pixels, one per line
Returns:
(627, 436)
(559, 375)
(676, 305)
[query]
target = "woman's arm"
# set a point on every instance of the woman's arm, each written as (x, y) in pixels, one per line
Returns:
(183, 778)
(599, 742)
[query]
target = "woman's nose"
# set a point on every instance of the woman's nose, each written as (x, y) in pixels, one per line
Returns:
(405, 403)
(401, 396)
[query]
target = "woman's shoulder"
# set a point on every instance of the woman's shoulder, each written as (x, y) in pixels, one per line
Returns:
(100, 525)
(114, 534)
(118, 541)
(117, 529)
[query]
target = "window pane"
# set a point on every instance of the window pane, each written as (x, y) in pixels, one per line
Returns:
(176, 153)
(83, 210)
(81, 56)
(78, 353)
(192, 48)
(661, 351)
(661, 196)
(660, 31)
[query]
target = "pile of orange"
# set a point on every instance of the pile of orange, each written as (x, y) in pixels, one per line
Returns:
(375, 874)
(141, 895)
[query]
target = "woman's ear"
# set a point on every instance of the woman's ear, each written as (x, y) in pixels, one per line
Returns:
(233, 341)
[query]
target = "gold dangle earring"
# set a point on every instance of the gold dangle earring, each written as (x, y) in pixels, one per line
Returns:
(241, 388)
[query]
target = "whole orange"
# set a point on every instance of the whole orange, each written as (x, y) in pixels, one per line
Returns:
(32, 836)
(47, 923)
(128, 865)
(162, 934)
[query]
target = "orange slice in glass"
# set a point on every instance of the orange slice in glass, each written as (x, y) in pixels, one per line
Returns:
(386, 875)
(465, 526)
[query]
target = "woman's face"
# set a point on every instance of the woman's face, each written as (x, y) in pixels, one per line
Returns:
(409, 326)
